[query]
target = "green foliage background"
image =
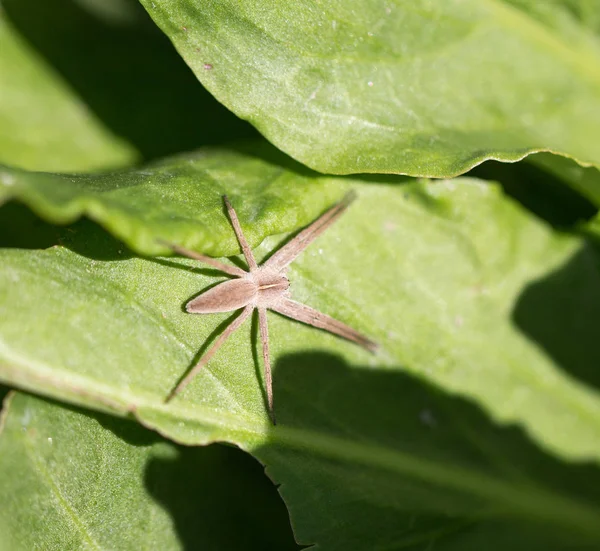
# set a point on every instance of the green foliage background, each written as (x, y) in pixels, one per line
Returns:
(476, 425)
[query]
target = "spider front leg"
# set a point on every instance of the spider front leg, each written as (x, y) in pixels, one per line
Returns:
(237, 228)
(290, 251)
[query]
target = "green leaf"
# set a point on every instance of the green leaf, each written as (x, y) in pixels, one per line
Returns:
(179, 199)
(465, 292)
(89, 481)
(420, 88)
(95, 85)
(43, 124)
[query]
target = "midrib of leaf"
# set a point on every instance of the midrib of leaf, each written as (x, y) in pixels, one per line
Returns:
(128, 298)
(507, 467)
(253, 432)
(54, 488)
(427, 537)
(150, 516)
(36, 376)
(531, 501)
(585, 61)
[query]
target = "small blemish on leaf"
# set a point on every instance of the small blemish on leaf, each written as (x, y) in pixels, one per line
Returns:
(208, 66)
(426, 417)
(7, 179)
(26, 418)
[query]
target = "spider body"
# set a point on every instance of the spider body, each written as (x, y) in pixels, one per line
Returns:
(264, 287)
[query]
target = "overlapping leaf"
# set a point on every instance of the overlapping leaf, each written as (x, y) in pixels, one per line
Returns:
(420, 88)
(179, 199)
(411, 266)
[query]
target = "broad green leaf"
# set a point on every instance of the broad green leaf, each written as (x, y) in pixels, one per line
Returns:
(470, 298)
(43, 124)
(89, 481)
(179, 199)
(419, 88)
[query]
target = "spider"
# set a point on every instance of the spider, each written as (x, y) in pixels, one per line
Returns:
(263, 287)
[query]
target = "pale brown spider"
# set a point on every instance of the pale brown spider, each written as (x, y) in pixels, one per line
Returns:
(264, 287)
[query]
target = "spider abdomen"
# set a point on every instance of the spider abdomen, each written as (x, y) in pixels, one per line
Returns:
(224, 297)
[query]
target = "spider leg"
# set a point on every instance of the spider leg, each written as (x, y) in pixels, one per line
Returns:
(288, 253)
(233, 326)
(264, 335)
(231, 270)
(240, 235)
(300, 312)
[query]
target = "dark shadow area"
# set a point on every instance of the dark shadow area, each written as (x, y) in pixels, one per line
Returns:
(211, 490)
(544, 195)
(21, 228)
(561, 313)
(385, 412)
(4, 390)
(264, 150)
(208, 491)
(126, 429)
(87, 238)
(128, 73)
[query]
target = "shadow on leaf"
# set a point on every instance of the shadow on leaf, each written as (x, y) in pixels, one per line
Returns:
(240, 511)
(561, 313)
(21, 228)
(208, 491)
(382, 457)
(543, 194)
